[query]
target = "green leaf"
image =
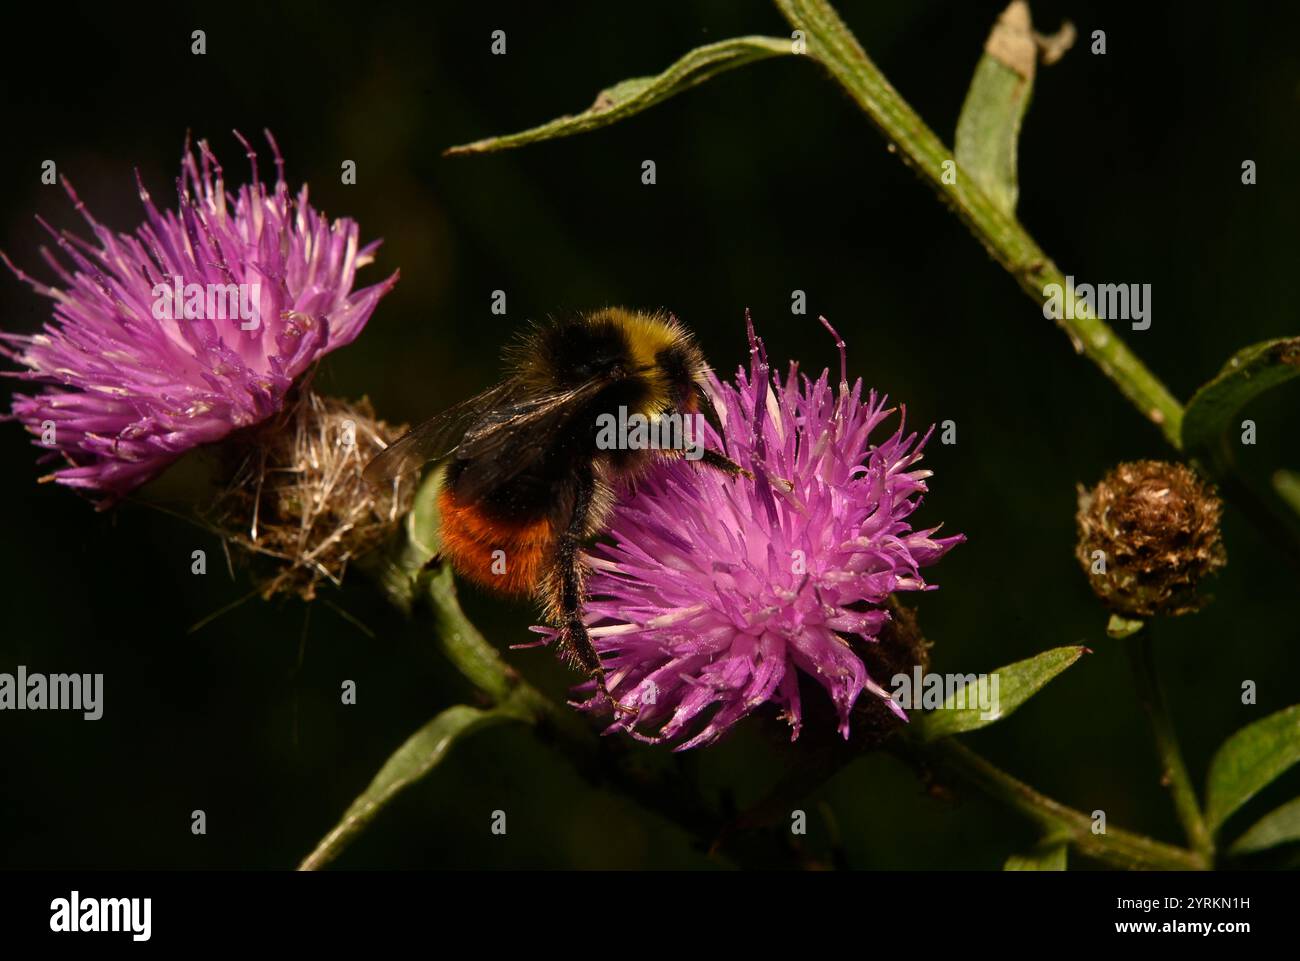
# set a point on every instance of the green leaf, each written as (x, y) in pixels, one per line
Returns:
(1119, 627)
(1250, 372)
(1016, 683)
(632, 96)
(988, 130)
(1048, 856)
(1277, 827)
(1287, 485)
(1249, 761)
(423, 751)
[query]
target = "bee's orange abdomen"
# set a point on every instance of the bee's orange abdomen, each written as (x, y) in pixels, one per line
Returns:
(470, 538)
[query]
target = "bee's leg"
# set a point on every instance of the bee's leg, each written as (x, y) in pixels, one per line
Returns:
(577, 641)
(712, 458)
(722, 462)
(573, 638)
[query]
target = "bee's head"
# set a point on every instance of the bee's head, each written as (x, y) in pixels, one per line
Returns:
(659, 351)
(680, 367)
(621, 346)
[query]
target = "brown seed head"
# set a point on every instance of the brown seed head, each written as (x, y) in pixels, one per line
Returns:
(1156, 525)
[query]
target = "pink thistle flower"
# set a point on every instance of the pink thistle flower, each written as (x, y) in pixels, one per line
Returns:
(134, 375)
(714, 595)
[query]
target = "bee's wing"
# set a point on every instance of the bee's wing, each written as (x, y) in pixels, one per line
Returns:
(500, 432)
(516, 436)
(436, 437)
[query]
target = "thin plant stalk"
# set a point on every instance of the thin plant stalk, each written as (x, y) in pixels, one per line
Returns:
(1111, 845)
(1173, 769)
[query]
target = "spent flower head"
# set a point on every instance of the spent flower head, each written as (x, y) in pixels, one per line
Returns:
(1149, 537)
(715, 594)
(296, 496)
(193, 326)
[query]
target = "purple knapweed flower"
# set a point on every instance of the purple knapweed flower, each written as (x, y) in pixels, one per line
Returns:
(713, 594)
(192, 327)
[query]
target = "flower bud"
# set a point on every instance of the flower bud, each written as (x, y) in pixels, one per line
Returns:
(1148, 536)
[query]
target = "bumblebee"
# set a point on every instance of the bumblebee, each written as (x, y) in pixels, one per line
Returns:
(528, 477)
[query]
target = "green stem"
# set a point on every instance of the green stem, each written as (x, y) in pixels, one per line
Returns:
(1174, 770)
(1115, 846)
(410, 579)
(833, 45)
(598, 760)
(467, 649)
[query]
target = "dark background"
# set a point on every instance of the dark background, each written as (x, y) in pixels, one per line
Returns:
(768, 180)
